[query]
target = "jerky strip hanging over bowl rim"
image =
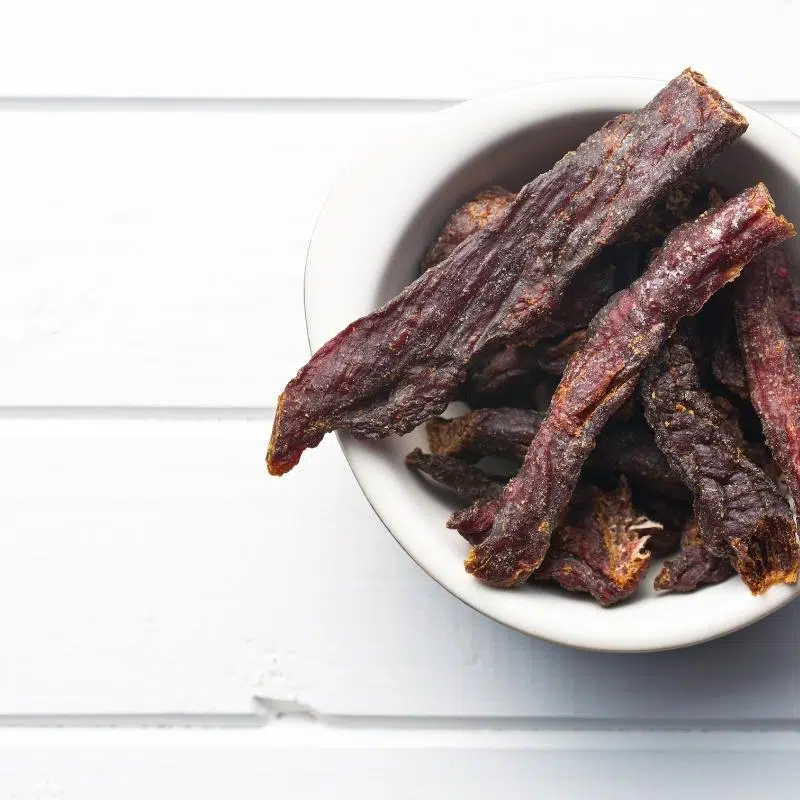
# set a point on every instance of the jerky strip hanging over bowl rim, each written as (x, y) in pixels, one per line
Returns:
(696, 260)
(392, 369)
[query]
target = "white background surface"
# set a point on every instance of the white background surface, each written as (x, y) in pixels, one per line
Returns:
(162, 164)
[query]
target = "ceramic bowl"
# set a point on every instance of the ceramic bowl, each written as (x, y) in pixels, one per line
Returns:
(366, 246)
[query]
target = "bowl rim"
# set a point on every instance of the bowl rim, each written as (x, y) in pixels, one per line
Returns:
(556, 97)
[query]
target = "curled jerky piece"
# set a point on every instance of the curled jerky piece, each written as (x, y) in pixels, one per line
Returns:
(773, 370)
(693, 566)
(398, 366)
(468, 482)
(696, 260)
(740, 511)
(604, 554)
(474, 215)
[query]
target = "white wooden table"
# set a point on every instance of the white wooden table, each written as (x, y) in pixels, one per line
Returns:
(161, 166)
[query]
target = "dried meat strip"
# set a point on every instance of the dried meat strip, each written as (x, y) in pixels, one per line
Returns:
(507, 432)
(552, 357)
(740, 512)
(693, 566)
(605, 554)
(474, 215)
(787, 296)
(773, 370)
(468, 482)
(696, 260)
(687, 200)
(398, 366)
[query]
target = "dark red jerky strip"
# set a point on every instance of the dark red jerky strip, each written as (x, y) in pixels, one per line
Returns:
(786, 295)
(468, 482)
(473, 216)
(773, 370)
(507, 432)
(687, 200)
(740, 511)
(398, 366)
(693, 566)
(602, 554)
(696, 260)
(498, 377)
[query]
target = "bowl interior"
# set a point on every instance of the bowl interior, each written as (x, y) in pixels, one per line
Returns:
(407, 191)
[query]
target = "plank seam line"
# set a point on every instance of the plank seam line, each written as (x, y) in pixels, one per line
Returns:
(297, 104)
(114, 413)
(264, 717)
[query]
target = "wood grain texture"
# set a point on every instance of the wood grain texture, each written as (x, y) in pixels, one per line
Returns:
(151, 566)
(301, 762)
(247, 48)
(149, 257)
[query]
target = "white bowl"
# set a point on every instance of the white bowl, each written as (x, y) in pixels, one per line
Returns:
(366, 246)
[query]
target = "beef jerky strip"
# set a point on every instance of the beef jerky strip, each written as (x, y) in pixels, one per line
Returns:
(740, 511)
(687, 200)
(673, 514)
(507, 432)
(696, 260)
(474, 215)
(786, 296)
(513, 371)
(605, 553)
(773, 370)
(398, 366)
(468, 482)
(498, 377)
(693, 566)
(552, 356)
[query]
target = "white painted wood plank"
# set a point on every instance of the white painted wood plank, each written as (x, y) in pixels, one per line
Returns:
(355, 48)
(396, 765)
(156, 258)
(151, 566)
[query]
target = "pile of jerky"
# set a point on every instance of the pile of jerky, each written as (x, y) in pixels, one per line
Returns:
(627, 340)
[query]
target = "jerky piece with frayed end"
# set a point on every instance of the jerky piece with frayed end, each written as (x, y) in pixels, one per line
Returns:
(603, 555)
(398, 366)
(468, 482)
(672, 513)
(693, 566)
(773, 370)
(474, 215)
(740, 511)
(786, 295)
(696, 260)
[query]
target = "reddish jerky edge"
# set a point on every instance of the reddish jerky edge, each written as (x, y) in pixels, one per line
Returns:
(389, 371)
(773, 369)
(695, 261)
